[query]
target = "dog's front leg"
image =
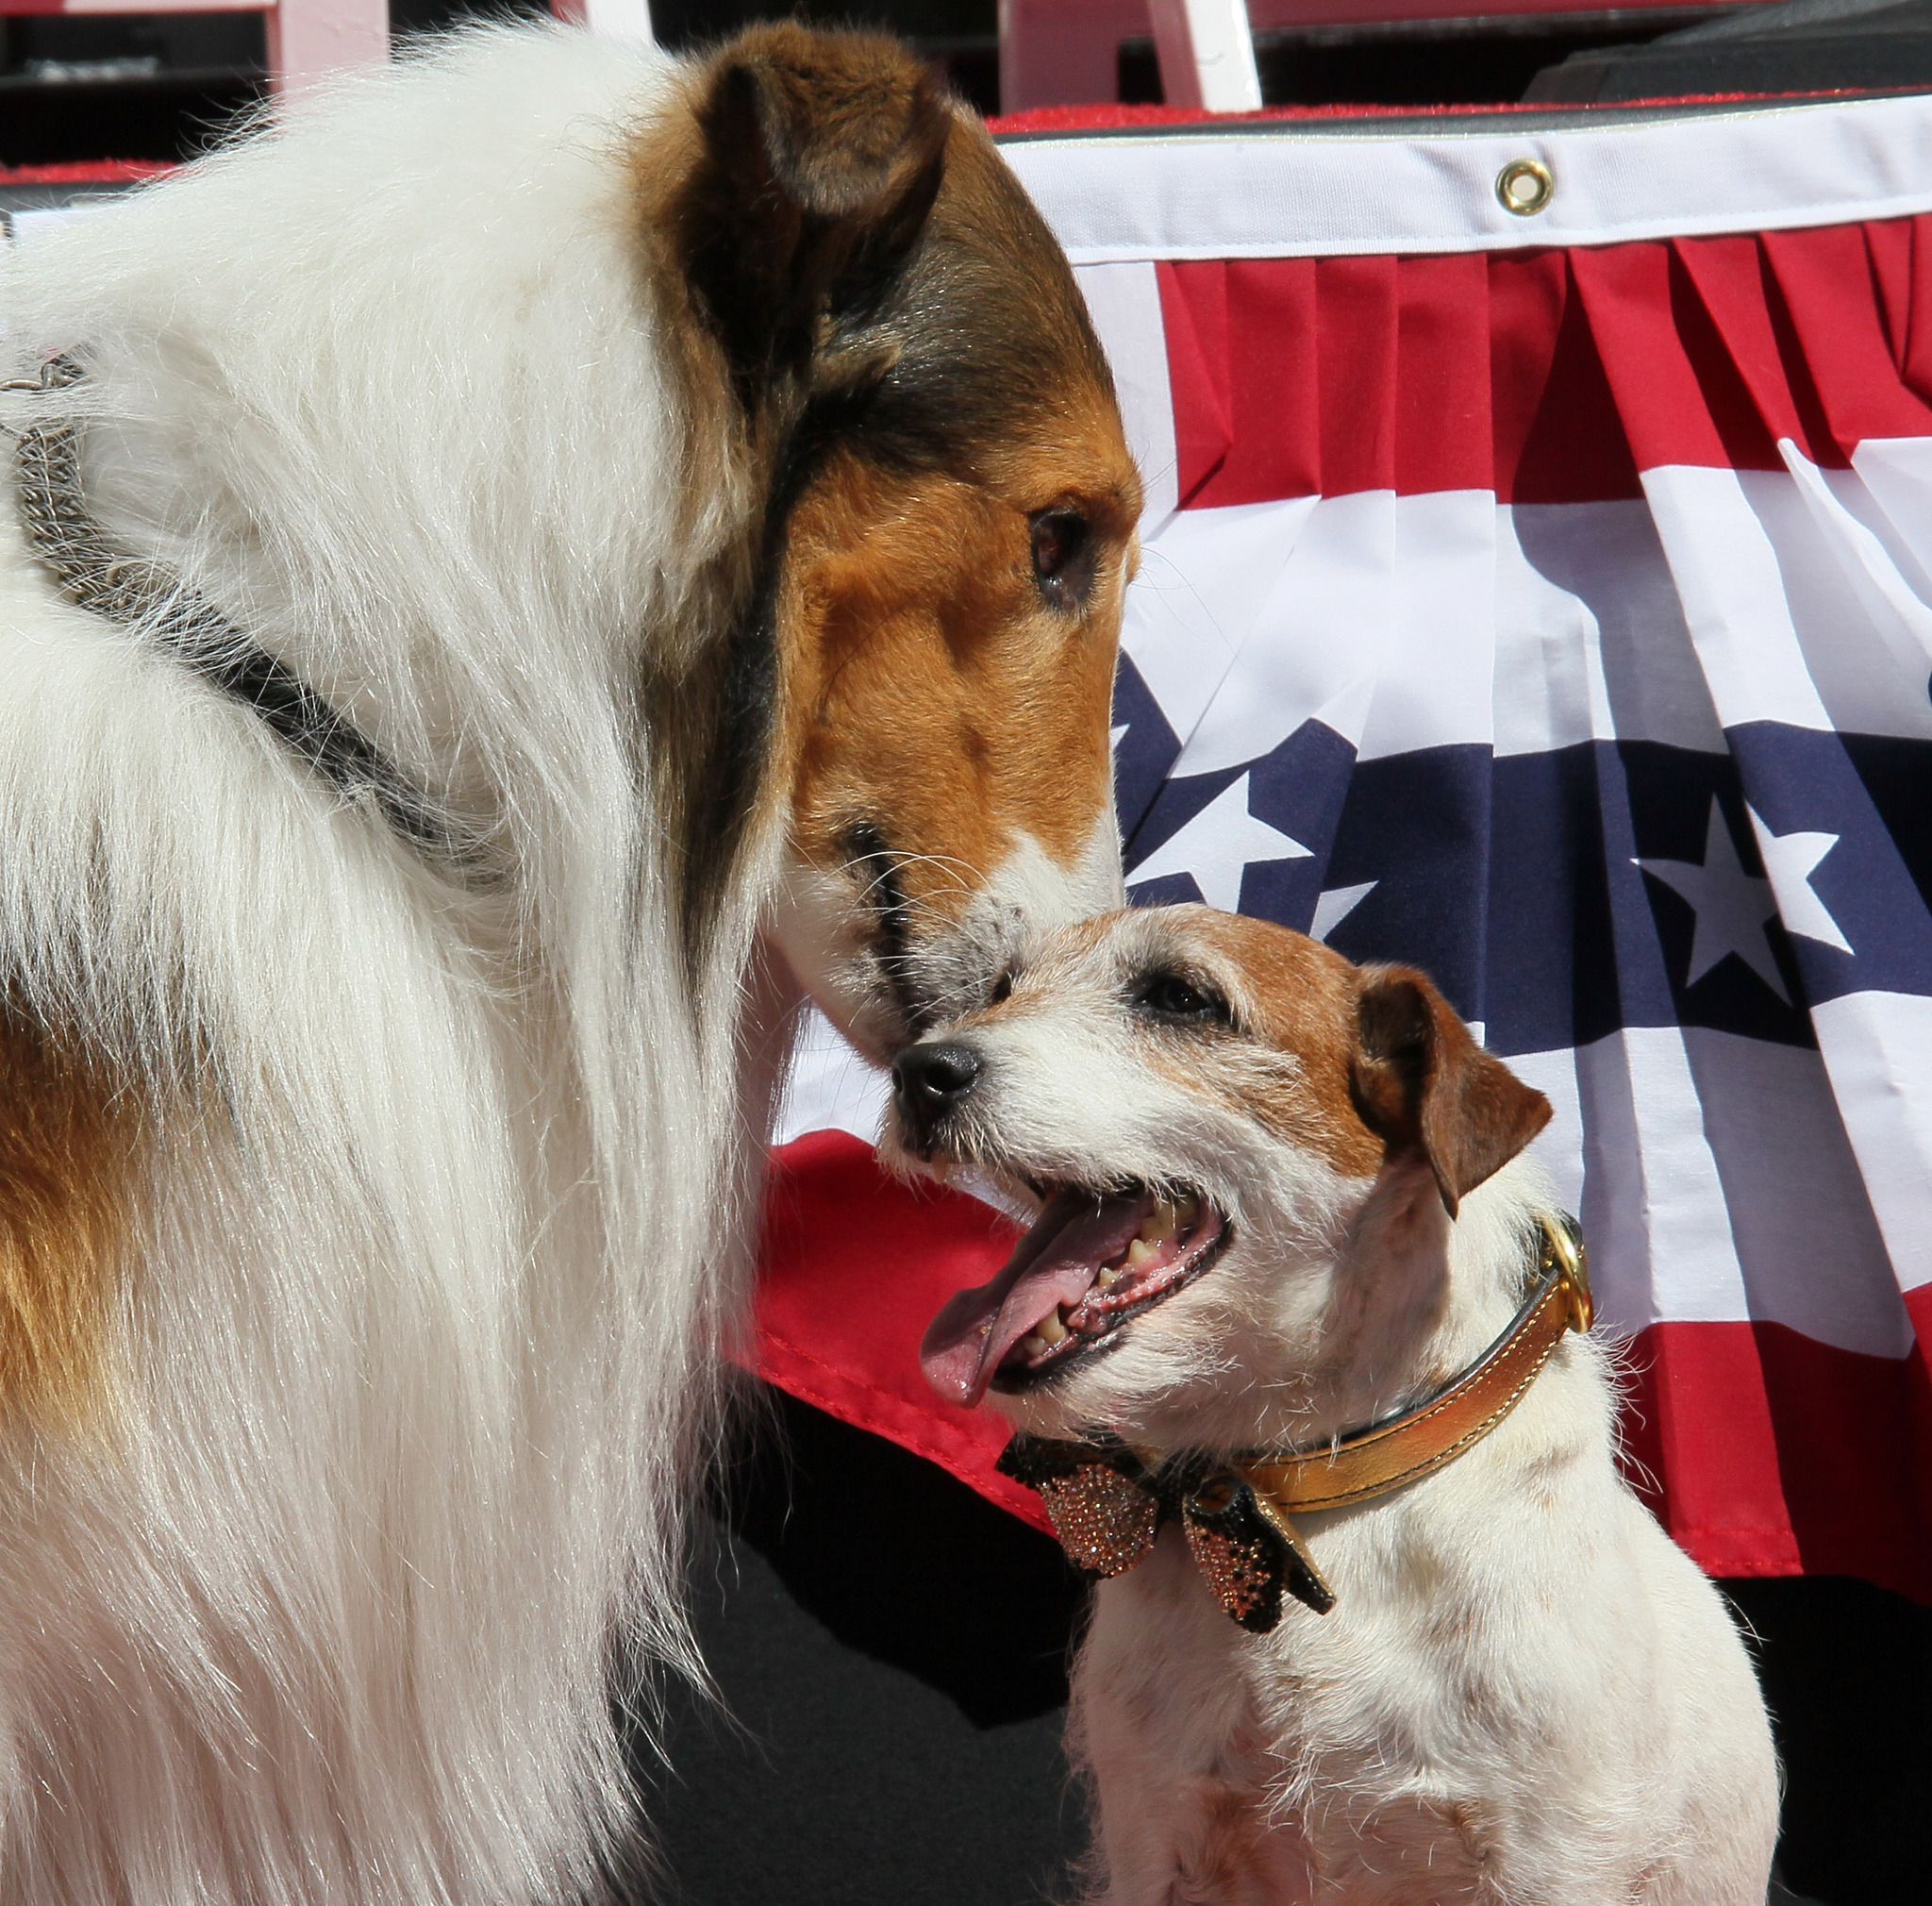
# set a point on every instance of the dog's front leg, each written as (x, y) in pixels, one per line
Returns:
(1170, 1736)
(1201, 1841)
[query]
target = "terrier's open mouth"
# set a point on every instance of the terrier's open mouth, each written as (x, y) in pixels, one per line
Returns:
(1092, 1262)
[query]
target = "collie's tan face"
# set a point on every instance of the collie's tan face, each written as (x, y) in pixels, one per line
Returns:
(948, 622)
(949, 654)
(949, 519)
(1205, 1107)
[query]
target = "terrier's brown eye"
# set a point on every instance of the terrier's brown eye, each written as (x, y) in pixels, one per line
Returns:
(1001, 989)
(1179, 1001)
(1062, 557)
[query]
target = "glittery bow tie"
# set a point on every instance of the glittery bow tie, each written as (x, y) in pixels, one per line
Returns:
(1107, 1506)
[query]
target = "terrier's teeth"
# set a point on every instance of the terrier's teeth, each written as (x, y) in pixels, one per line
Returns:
(1141, 1252)
(1158, 1224)
(1035, 1346)
(1051, 1328)
(1108, 1276)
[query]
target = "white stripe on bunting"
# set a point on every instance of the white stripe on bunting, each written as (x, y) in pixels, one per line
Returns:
(1715, 1184)
(1290, 190)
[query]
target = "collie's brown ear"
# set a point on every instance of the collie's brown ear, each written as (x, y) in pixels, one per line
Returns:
(1422, 1084)
(819, 158)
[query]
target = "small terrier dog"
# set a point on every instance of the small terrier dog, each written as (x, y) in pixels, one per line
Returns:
(1281, 1199)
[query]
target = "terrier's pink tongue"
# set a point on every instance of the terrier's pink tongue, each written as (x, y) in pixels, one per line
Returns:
(1055, 1263)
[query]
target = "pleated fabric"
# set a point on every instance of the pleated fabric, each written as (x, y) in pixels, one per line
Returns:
(1558, 621)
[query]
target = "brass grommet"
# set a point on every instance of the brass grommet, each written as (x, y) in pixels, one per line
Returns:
(1525, 186)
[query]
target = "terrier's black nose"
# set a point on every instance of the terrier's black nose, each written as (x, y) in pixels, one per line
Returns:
(929, 1082)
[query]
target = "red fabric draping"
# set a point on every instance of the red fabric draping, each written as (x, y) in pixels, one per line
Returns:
(854, 1266)
(85, 172)
(1548, 376)
(1116, 118)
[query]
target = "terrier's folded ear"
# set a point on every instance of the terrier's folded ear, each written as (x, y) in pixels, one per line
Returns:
(1422, 1085)
(820, 157)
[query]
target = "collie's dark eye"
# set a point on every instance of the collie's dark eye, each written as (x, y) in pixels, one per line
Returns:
(1179, 1001)
(1062, 557)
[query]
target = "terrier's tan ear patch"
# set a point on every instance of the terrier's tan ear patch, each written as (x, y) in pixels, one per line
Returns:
(1425, 1086)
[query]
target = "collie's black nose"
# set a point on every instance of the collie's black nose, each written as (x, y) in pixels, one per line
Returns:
(930, 1082)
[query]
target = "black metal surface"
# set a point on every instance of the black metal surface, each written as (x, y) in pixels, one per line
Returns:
(170, 115)
(1812, 46)
(958, 38)
(1397, 124)
(1476, 60)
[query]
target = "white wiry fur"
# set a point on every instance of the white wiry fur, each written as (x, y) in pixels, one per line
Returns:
(446, 1188)
(1526, 1695)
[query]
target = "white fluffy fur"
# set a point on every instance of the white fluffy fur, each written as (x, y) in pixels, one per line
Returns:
(1527, 1695)
(448, 1193)
(813, 924)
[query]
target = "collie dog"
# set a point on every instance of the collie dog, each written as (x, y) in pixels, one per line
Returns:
(1298, 1339)
(514, 577)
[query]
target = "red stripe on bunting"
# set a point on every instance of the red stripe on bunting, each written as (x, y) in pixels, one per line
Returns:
(1679, 394)
(1915, 325)
(1546, 377)
(1443, 427)
(1837, 330)
(1356, 330)
(1556, 436)
(1778, 1454)
(84, 171)
(1197, 369)
(1728, 274)
(1699, 1442)
(1889, 248)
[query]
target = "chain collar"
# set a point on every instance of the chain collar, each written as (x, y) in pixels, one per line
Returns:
(1108, 1501)
(134, 592)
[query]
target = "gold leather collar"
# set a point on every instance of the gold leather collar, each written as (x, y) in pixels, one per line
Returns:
(1108, 1500)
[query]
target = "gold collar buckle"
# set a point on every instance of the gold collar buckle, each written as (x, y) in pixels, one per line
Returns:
(1562, 1252)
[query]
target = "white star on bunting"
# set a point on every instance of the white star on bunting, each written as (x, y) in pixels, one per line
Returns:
(1217, 847)
(1790, 859)
(1335, 905)
(1731, 906)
